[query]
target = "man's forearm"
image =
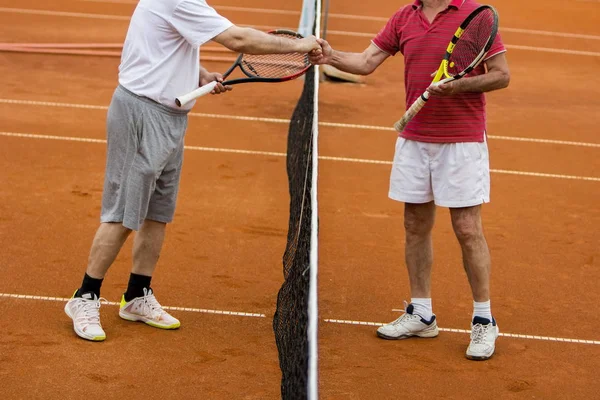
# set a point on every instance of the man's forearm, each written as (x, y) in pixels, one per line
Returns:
(203, 71)
(493, 80)
(353, 63)
(252, 41)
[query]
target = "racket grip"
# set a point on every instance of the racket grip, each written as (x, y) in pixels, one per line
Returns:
(411, 112)
(201, 91)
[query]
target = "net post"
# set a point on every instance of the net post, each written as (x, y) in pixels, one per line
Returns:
(313, 308)
(295, 322)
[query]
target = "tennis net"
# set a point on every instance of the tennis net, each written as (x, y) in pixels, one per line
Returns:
(296, 319)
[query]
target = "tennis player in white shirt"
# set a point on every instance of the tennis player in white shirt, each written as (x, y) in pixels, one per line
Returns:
(145, 135)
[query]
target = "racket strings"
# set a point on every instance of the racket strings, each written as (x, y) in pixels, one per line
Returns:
(473, 41)
(276, 65)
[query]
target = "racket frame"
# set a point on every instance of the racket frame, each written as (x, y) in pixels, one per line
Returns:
(442, 71)
(246, 69)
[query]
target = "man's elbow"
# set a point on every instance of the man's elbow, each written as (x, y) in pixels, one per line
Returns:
(504, 79)
(234, 38)
(368, 67)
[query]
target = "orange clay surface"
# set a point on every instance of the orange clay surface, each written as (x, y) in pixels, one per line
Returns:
(223, 252)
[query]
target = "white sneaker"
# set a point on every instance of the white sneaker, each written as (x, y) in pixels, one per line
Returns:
(409, 325)
(483, 339)
(85, 313)
(148, 310)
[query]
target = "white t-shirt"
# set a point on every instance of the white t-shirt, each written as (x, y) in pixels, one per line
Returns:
(160, 58)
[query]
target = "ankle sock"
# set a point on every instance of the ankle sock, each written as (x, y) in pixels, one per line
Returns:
(422, 307)
(136, 286)
(89, 284)
(482, 309)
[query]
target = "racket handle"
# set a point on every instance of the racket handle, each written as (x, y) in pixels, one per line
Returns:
(201, 91)
(411, 112)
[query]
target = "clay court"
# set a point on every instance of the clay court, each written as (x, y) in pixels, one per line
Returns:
(220, 270)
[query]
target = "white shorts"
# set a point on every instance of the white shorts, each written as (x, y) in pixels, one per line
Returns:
(453, 175)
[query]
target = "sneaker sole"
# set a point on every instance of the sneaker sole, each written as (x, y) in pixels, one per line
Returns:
(137, 318)
(479, 358)
(428, 335)
(82, 334)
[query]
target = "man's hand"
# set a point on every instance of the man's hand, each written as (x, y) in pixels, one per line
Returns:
(309, 45)
(208, 77)
(323, 57)
(444, 89)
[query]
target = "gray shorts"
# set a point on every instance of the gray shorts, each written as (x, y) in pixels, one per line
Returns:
(143, 162)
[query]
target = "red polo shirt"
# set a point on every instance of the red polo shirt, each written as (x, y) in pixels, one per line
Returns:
(458, 118)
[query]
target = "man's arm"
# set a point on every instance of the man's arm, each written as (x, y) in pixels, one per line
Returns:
(497, 77)
(252, 41)
(355, 63)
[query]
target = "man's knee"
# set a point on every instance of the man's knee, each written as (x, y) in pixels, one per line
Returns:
(467, 225)
(419, 219)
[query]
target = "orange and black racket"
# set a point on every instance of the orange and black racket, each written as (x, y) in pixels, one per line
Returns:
(269, 68)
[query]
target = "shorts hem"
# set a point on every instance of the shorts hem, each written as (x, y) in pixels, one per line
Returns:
(110, 219)
(408, 199)
(156, 218)
(462, 204)
(119, 220)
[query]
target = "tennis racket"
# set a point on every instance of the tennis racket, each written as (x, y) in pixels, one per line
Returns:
(259, 68)
(471, 42)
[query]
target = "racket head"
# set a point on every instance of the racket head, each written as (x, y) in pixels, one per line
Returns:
(275, 67)
(471, 42)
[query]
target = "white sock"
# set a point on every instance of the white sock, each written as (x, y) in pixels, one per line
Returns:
(422, 307)
(482, 309)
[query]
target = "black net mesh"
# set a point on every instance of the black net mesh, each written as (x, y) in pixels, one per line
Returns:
(291, 317)
(472, 42)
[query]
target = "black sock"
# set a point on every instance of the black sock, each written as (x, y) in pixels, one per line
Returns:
(89, 284)
(136, 286)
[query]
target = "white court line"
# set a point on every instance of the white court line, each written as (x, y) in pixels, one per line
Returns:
(511, 335)
(276, 154)
(265, 27)
(63, 13)
(257, 315)
(551, 50)
(287, 121)
(371, 18)
(112, 303)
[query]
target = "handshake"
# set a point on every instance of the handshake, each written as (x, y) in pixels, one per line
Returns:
(319, 51)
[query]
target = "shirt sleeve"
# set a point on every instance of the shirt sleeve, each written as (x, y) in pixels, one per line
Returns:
(198, 22)
(497, 48)
(388, 40)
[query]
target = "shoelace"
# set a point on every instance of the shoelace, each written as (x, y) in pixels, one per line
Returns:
(151, 306)
(479, 332)
(88, 311)
(406, 317)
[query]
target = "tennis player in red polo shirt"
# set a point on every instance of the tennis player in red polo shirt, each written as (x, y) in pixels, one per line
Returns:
(441, 162)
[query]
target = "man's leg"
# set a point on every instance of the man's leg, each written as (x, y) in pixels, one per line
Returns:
(477, 263)
(147, 246)
(468, 228)
(122, 140)
(418, 319)
(418, 224)
(162, 144)
(107, 243)
(138, 302)
(83, 307)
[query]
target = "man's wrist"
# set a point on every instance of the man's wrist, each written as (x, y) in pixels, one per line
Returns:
(457, 86)
(334, 57)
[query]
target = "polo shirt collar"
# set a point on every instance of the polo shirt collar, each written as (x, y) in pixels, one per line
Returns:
(454, 3)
